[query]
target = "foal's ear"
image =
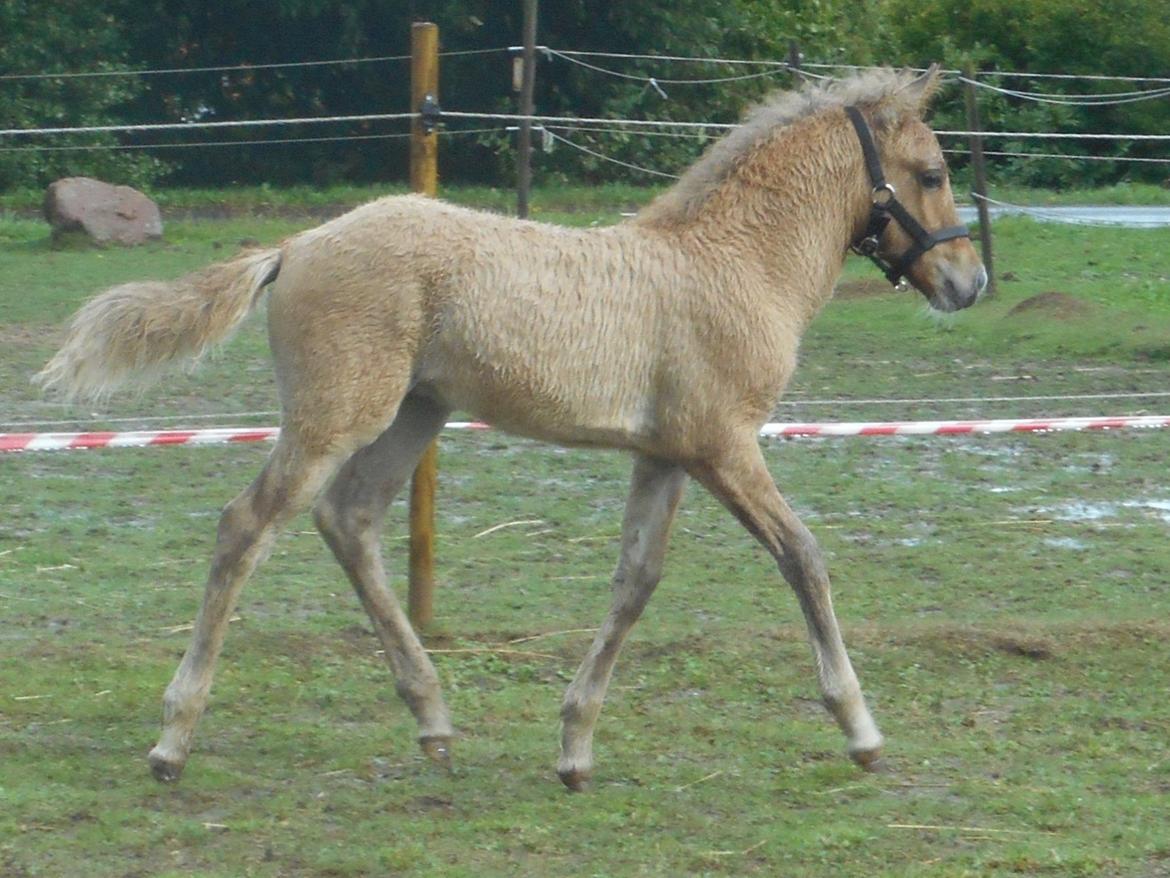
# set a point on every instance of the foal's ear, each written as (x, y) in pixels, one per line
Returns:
(923, 88)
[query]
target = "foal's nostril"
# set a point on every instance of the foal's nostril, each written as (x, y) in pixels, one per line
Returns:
(959, 293)
(963, 290)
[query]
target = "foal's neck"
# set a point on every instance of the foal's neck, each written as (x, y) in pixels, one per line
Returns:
(790, 210)
(803, 197)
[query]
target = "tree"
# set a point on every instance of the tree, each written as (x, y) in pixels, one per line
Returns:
(1124, 38)
(198, 33)
(40, 40)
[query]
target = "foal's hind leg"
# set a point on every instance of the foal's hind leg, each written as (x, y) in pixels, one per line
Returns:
(349, 516)
(247, 528)
(740, 479)
(655, 490)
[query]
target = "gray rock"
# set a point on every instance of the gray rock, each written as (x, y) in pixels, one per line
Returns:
(107, 214)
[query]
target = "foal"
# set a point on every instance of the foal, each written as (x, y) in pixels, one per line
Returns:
(670, 337)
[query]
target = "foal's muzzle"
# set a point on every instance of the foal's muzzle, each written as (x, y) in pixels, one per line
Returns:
(955, 292)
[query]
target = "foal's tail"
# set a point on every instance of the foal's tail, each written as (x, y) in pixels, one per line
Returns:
(130, 332)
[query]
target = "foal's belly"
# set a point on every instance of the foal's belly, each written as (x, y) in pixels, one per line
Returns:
(548, 411)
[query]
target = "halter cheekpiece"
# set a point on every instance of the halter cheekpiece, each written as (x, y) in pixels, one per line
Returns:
(886, 207)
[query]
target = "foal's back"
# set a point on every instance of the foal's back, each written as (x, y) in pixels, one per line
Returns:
(547, 331)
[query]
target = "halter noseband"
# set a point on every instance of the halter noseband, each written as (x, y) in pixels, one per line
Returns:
(886, 207)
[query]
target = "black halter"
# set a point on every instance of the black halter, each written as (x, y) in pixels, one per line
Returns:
(886, 207)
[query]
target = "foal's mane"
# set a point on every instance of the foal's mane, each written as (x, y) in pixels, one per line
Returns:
(882, 90)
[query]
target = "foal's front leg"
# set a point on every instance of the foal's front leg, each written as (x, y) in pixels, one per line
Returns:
(740, 479)
(655, 490)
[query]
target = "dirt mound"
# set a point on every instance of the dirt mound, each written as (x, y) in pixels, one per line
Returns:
(1053, 304)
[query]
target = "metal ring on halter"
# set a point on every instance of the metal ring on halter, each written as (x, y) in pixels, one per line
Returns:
(867, 246)
(890, 194)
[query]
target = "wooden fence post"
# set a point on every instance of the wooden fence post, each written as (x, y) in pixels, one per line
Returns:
(979, 167)
(424, 178)
(524, 136)
(795, 59)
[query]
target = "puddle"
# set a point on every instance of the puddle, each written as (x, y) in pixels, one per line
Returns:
(1160, 506)
(1079, 511)
(1066, 543)
(1090, 463)
(1007, 453)
(1082, 511)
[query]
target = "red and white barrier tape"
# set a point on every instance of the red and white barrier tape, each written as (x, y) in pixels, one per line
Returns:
(133, 439)
(953, 428)
(143, 438)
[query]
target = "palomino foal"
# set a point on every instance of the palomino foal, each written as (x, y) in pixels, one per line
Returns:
(670, 336)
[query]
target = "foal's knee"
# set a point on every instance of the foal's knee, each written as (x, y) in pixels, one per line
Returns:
(642, 575)
(237, 520)
(336, 520)
(326, 518)
(240, 535)
(632, 588)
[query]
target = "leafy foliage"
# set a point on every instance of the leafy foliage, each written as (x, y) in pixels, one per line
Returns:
(1130, 37)
(61, 37)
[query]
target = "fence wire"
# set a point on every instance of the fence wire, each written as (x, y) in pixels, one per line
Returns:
(233, 68)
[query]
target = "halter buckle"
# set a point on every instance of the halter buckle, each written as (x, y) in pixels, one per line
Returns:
(867, 246)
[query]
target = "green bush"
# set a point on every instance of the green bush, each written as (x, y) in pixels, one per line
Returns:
(42, 38)
(1129, 37)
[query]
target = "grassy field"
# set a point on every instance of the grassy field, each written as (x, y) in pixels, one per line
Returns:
(599, 200)
(1005, 601)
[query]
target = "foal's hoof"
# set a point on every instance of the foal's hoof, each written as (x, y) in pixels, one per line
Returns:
(165, 770)
(869, 759)
(437, 748)
(576, 779)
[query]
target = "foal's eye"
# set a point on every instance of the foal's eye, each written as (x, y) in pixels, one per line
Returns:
(932, 179)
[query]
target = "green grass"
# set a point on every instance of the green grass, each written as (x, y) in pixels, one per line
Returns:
(604, 199)
(1143, 194)
(568, 198)
(1004, 599)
